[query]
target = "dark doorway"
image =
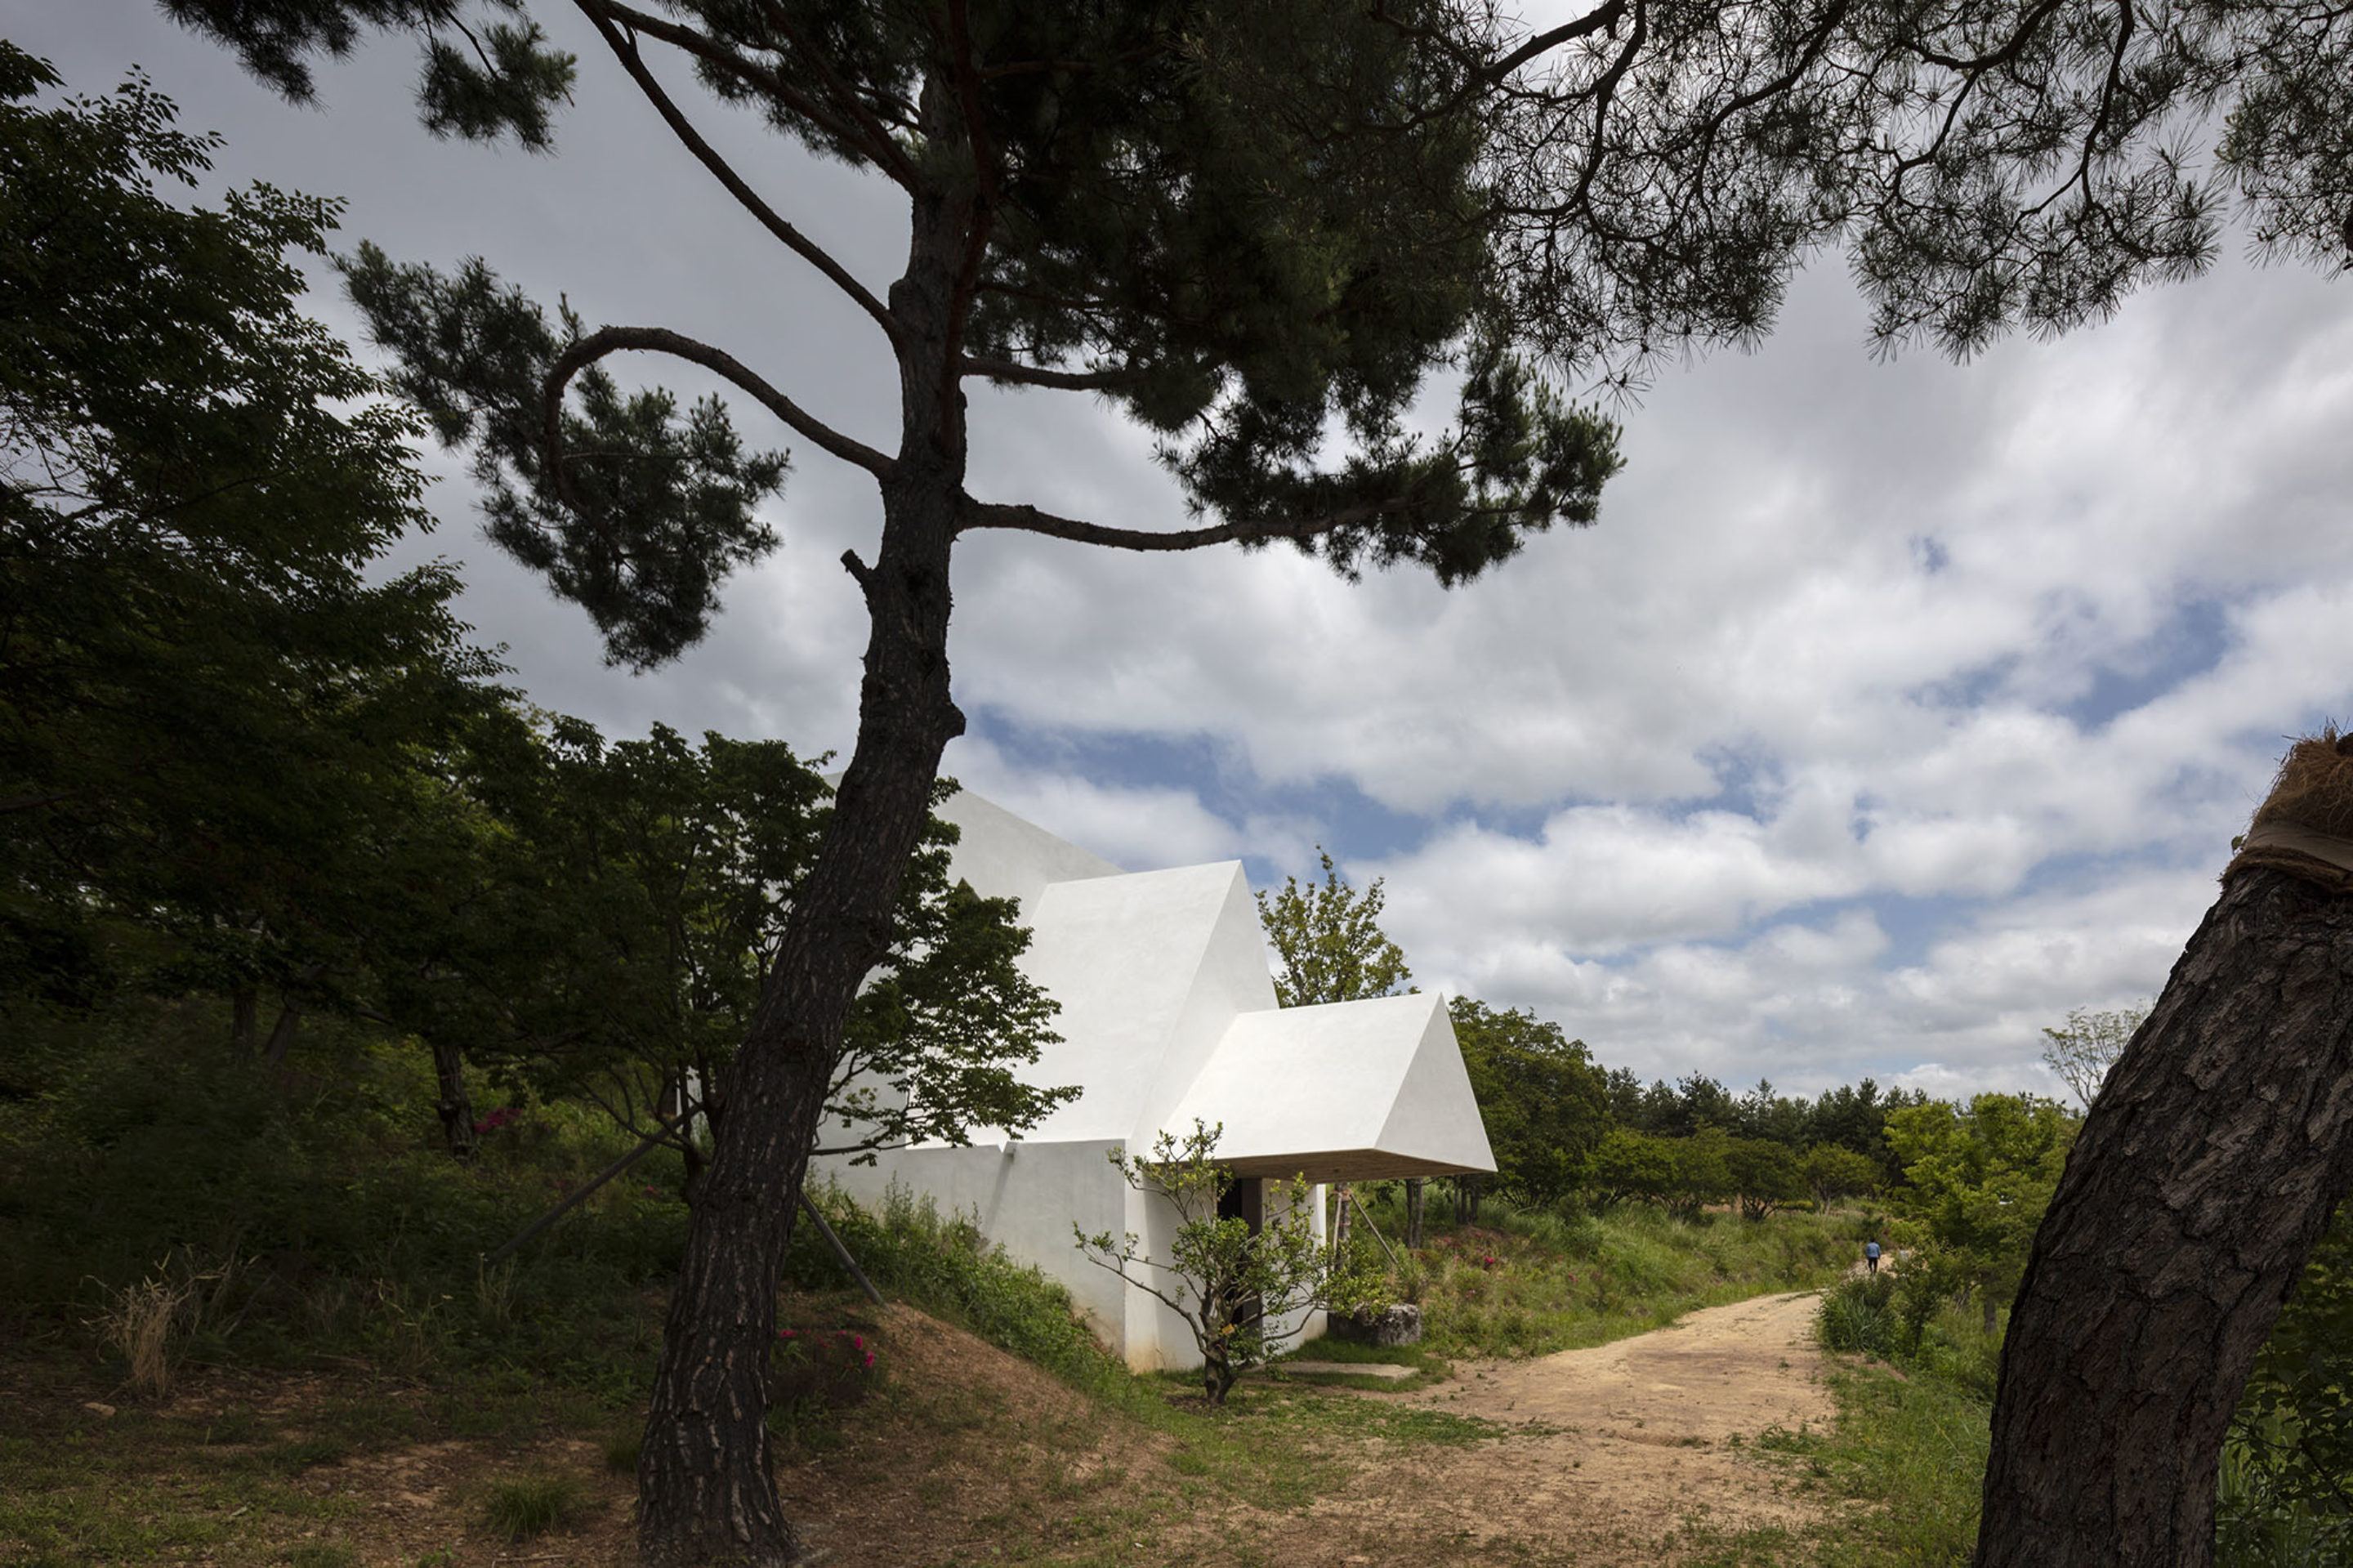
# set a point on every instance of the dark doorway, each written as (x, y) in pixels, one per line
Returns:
(1245, 1201)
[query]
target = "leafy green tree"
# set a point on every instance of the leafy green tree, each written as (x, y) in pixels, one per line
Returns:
(1328, 942)
(1543, 1099)
(2082, 1050)
(1256, 227)
(1763, 1175)
(1832, 1172)
(1242, 1292)
(1700, 1174)
(1629, 1166)
(208, 688)
(2293, 1435)
(621, 913)
(1978, 1180)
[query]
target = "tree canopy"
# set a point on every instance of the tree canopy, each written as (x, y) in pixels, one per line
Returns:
(1540, 1094)
(1328, 942)
(205, 677)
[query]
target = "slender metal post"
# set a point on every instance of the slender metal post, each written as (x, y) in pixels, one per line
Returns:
(646, 1146)
(840, 1251)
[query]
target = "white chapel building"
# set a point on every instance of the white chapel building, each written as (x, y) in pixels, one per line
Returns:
(1168, 1015)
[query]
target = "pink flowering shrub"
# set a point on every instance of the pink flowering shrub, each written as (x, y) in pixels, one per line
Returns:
(813, 1371)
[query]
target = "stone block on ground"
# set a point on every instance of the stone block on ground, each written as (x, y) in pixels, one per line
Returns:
(1398, 1324)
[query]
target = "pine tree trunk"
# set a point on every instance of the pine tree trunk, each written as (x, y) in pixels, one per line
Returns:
(281, 1035)
(455, 1102)
(2205, 1172)
(706, 1494)
(244, 1018)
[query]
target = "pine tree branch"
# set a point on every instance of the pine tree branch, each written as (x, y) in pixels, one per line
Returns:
(1014, 372)
(633, 61)
(1031, 519)
(984, 168)
(1603, 19)
(886, 153)
(662, 340)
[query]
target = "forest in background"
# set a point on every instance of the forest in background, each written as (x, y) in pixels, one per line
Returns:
(304, 911)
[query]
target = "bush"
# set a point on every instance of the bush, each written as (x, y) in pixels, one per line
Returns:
(309, 1211)
(811, 1369)
(1858, 1314)
(524, 1505)
(945, 1265)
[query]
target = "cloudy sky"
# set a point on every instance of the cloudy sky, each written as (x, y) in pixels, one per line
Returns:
(1891, 711)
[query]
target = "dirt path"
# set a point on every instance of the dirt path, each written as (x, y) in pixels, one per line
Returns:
(1625, 1446)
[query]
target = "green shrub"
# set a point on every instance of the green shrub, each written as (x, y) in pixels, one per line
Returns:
(945, 1265)
(1858, 1315)
(524, 1505)
(313, 1210)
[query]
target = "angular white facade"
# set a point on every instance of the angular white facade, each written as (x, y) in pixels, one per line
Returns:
(1168, 1015)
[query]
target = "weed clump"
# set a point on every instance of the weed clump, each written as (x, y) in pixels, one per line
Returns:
(520, 1507)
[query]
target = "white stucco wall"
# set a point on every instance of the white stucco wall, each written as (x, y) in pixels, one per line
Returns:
(1024, 1197)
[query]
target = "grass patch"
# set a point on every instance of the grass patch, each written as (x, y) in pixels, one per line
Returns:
(1429, 1367)
(520, 1507)
(1517, 1283)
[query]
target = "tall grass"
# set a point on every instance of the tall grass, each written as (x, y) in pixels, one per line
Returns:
(943, 1264)
(307, 1212)
(1519, 1282)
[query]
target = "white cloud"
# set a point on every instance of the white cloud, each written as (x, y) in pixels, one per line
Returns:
(1824, 656)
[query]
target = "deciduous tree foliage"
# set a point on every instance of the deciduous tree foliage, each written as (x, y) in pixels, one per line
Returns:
(1263, 231)
(1328, 942)
(1978, 1181)
(1242, 1290)
(2082, 1050)
(1763, 1175)
(1540, 1094)
(612, 918)
(204, 697)
(1832, 1172)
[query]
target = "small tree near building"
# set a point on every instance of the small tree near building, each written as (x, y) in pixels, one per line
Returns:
(1242, 1291)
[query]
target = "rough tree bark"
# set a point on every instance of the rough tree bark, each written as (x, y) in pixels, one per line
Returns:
(706, 1493)
(244, 1018)
(2206, 1170)
(281, 1034)
(455, 1102)
(1413, 1201)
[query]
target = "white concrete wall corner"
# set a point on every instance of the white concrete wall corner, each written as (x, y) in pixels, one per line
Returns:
(1024, 1197)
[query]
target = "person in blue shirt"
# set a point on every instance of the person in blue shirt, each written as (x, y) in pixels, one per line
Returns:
(1871, 1257)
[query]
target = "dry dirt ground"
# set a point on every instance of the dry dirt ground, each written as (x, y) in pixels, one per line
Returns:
(1596, 1458)
(1625, 1446)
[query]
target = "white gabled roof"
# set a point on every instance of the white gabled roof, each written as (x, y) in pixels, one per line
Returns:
(1168, 1013)
(1149, 968)
(1002, 856)
(1347, 1091)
